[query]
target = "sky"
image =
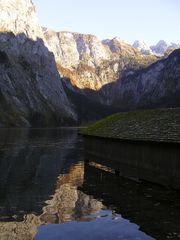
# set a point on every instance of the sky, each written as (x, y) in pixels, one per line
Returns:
(145, 20)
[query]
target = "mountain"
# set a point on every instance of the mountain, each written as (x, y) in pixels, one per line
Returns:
(31, 91)
(92, 63)
(158, 85)
(88, 64)
(55, 78)
(19, 16)
(142, 47)
(160, 49)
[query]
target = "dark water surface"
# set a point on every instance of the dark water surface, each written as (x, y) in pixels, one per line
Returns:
(49, 192)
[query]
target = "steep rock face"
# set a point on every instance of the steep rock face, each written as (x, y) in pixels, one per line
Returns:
(155, 86)
(142, 47)
(31, 91)
(90, 65)
(89, 62)
(18, 16)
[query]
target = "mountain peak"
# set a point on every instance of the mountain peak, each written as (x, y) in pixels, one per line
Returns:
(19, 16)
(162, 47)
(142, 47)
(162, 42)
(159, 49)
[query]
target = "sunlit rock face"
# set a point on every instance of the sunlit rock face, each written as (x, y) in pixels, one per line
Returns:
(106, 72)
(90, 62)
(31, 91)
(32, 59)
(18, 16)
(73, 48)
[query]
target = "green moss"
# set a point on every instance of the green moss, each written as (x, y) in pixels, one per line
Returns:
(149, 125)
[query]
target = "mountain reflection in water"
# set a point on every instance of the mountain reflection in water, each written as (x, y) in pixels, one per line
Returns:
(48, 191)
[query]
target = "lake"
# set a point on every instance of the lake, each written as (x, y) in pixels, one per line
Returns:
(49, 190)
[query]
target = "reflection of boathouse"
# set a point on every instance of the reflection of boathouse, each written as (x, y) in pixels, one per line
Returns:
(151, 161)
(156, 209)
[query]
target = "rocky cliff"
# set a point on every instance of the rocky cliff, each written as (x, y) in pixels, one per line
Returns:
(155, 86)
(95, 73)
(31, 91)
(88, 65)
(113, 73)
(92, 63)
(142, 47)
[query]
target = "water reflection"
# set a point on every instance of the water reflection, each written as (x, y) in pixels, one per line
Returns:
(68, 203)
(154, 208)
(83, 215)
(30, 162)
(100, 228)
(48, 191)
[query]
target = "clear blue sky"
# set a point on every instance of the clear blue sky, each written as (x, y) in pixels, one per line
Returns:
(148, 20)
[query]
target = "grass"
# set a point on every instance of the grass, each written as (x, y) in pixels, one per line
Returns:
(161, 125)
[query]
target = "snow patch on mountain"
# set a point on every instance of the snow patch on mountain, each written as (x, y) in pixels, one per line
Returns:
(159, 49)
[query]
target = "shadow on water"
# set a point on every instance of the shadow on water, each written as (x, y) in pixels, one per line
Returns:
(30, 162)
(48, 191)
(155, 162)
(154, 208)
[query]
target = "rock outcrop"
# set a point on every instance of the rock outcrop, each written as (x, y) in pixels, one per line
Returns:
(31, 91)
(142, 47)
(113, 73)
(94, 72)
(91, 63)
(19, 16)
(88, 65)
(155, 86)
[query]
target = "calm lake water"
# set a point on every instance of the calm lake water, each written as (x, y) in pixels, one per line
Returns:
(48, 191)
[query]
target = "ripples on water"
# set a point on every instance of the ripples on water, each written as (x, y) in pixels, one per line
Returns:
(48, 192)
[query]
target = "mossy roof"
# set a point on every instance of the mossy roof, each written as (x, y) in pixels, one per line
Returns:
(161, 125)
